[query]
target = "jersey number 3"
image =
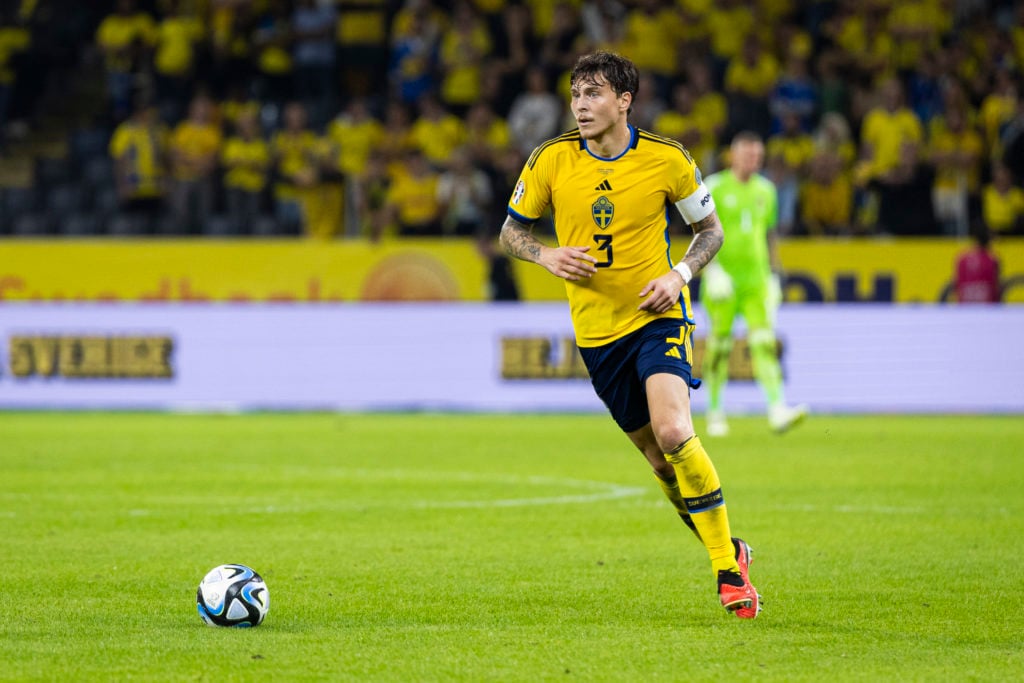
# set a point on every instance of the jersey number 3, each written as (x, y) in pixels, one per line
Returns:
(604, 243)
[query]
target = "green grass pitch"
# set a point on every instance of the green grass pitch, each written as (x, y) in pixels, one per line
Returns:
(504, 548)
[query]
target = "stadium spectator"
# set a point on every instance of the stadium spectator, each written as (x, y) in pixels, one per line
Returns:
(487, 135)
(682, 123)
(246, 163)
(126, 39)
(415, 35)
(956, 151)
(371, 193)
(313, 54)
(436, 131)
(976, 273)
(794, 93)
(998, 108)
(905, 195)
(560, 42)
(178, 35)
(363, 46)
(826, 196)
(356, 133)
(232, 32)
(14, 39)
(139, 150)
(513, 46)
(536, 113)
(651, 41)
(397, 139)
(194, 151)
(324, 207)
(412, 201)
(1002, 204)
(648, 105)
(464, 193)
(888, 129)
(501, 278)
(274, 68)
(293, 150)
(788, 154)
(750, 79)
(1011, 142)
(464, 46)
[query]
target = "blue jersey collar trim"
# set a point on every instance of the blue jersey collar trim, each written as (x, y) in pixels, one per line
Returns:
(632, 143)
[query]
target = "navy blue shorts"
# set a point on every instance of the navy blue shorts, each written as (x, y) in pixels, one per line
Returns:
(619, 370)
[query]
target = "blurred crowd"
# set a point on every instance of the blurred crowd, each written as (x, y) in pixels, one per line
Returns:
(342, 118)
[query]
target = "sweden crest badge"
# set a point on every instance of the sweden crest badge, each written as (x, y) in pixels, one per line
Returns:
(603, 211)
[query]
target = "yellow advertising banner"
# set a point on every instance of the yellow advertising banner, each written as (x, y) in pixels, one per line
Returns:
(904, 271)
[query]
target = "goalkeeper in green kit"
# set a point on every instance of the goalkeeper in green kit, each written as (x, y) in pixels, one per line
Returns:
(744, 279)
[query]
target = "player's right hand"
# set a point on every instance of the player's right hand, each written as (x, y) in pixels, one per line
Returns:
(568, 263)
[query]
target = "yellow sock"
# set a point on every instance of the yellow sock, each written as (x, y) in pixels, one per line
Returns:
(701, 491)
(671, 491)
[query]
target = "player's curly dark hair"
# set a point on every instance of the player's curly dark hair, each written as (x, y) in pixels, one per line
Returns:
(621, 74)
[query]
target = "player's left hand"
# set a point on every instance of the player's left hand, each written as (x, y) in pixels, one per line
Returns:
(662, 293)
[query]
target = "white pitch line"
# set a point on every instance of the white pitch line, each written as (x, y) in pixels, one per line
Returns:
(613, 493)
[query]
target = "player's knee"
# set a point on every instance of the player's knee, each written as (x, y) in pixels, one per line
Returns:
(718, 345)
(672, 436)
(761, 340)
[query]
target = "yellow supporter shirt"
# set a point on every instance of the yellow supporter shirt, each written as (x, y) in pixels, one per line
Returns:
(754, 81)
(494, 138)
(437, 139)
(194, 141)
(824, 205)
(945, 141)
(175, 51)
(141, 150)
(885, 132)
(362, 22)
(713, 109)
(729, 29)
(461, 84)
(651, 40)
(415, 198)
(117, 33)
(355, 141)
(13, 40)
(543, 13)
(295, 154)
(617, 206)
(683, 127)
(795, 151)
(924, 21)
(1002, 211)
(246, 163)
(996, 109)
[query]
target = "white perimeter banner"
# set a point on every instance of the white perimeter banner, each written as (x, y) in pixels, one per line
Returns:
(857, 358)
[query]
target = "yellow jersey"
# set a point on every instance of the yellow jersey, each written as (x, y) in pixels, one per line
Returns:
(246, 163)
(141, 150)
(618, 207)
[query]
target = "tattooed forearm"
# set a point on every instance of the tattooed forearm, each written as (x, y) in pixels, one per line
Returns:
(707, 240)
(518, 241)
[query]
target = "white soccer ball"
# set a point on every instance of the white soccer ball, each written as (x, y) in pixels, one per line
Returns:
(233, 595)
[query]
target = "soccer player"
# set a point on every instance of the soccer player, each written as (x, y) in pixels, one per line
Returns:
(610, 186)
(744, 278)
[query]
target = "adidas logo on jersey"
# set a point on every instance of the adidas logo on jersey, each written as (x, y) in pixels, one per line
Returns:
(605, 186)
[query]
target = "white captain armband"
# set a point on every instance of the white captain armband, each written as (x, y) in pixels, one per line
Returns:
(697, 206)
